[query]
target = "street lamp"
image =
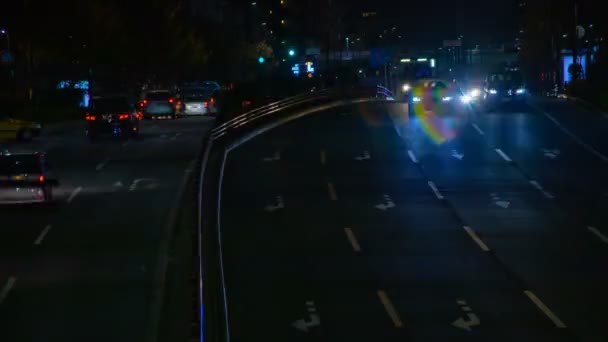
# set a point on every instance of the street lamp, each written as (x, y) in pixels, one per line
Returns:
(292, 52)
(8, 38)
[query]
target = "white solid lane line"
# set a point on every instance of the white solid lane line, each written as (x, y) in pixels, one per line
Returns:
(574, 137)
(504, 155)
(536, 185)
(7, 288)
(323, 157)
(102, 164)
(353, 240)
(553, 317)
(74, 194)
(476, 238)
(435, 190)
(42, 234)
(412, 156)
(599, 234)
(390, 309)
(478, 129)
(332, 192)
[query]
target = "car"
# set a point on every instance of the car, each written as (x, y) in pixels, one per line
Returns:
(20, 130)
(25, 178)
(159, 104)
(439, 96)
(198, 101)
(504, 86)
(112, 115)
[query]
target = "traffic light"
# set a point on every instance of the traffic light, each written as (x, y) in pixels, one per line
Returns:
(261, 60)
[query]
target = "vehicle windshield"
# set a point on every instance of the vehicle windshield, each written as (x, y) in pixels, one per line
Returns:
(18, 164)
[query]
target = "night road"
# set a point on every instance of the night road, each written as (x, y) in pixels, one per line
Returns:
(86, 268)
(336, 227)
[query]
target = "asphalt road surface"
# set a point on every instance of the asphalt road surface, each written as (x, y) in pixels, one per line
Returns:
(85, 268)
(339, 227)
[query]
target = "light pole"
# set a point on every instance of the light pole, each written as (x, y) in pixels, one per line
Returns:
(347, 41)
(8, 38)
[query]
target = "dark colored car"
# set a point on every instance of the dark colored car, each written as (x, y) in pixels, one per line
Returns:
(114, 116)
(248, 96)
(504, 87)
(25, 178)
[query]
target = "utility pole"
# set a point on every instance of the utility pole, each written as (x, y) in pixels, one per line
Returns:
(575, 44)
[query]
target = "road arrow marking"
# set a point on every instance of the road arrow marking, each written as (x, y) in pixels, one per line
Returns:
(457, 155)
(466, 325)
(275, 157)
(472, 321)
(314, 319)
(503, 204)
(153, 183)
(365, 156)
(552, 154)
(280, 205)
(388, 203)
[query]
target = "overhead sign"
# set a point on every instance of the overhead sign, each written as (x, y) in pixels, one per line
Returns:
(452, 43)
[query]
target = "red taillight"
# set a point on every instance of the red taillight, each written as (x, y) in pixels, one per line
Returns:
(123, 116)
(246, 102)
(140, 115)
(212, 100)
(171, 100)
(91, 117)
(41, 179)
(206, 104)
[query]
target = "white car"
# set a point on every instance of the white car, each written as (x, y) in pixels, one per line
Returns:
(25, 178)
(198, 101)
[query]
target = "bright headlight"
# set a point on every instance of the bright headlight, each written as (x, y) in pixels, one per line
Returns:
(406, 87)
(520, 91)
(475, 92)
(416, 99)
(493, 91)
(465, 98)
(447, 99)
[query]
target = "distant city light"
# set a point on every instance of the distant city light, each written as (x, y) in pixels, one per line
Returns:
(292, 52)
(422, 60)
(432, 62)
(3, 31)
(254, 3)
(405, 60)
(261, 60)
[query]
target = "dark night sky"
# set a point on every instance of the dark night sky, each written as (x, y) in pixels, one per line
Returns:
(432, 21)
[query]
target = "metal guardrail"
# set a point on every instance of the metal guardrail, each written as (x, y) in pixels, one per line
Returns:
(291, 102)
(211, 291)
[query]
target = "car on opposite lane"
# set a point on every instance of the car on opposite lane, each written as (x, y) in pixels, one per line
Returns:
(113, 115)
(504, 87)
(25, 177)
(20, 130)
(438, 96)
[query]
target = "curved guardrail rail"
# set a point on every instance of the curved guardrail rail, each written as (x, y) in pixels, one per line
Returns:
(213, 322)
